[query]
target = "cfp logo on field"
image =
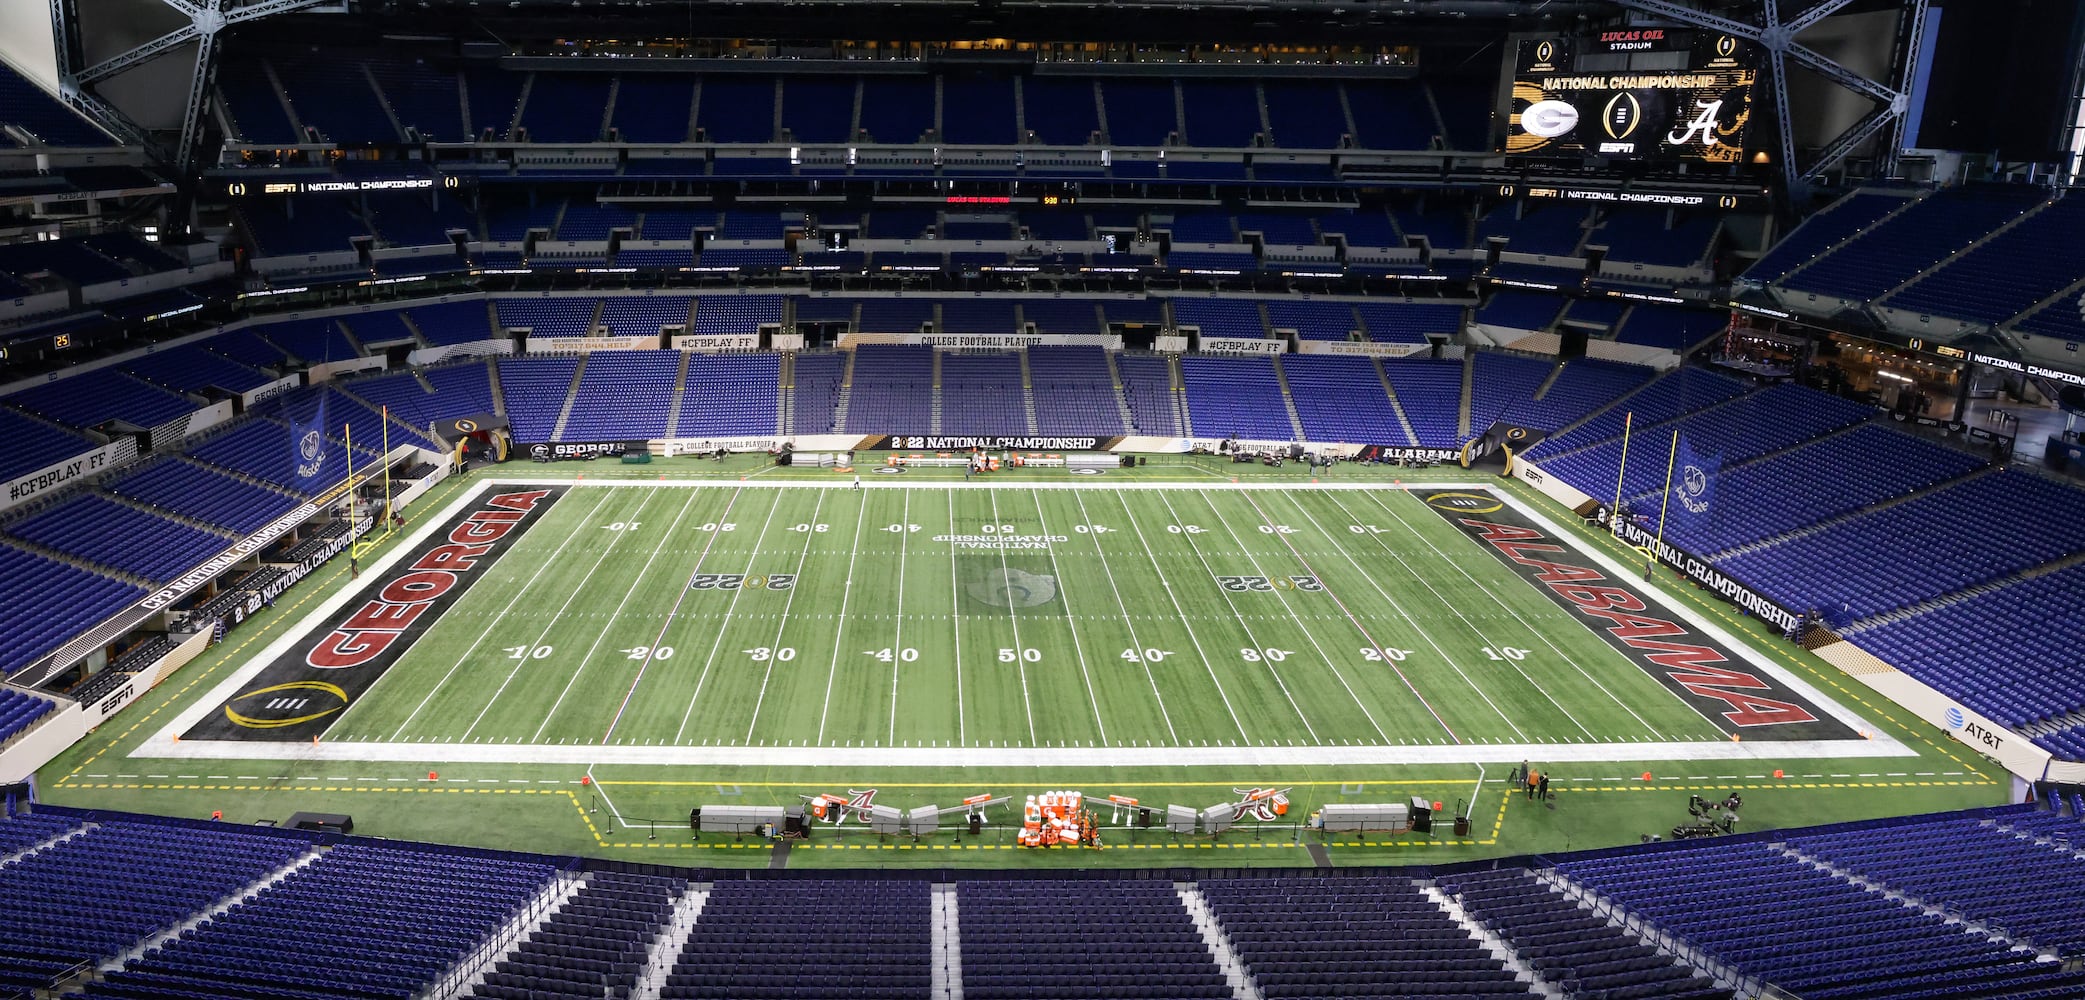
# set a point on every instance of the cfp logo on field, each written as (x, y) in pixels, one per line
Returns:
(1694, 489)
(311, 454)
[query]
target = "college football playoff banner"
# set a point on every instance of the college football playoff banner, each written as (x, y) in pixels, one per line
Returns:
(984, 442)
(1656, 94)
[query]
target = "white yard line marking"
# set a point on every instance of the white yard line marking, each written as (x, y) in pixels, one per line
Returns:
(1150, 677)
(1424, 634)
(490, 625)
(1014, 617)
(1240, 616)
(1501, 602)
(861, 512)
(1078, 649)
(1309, 633)
(955, 615)
(1195, 640)
(1760, 752)
(897, 649)
(724, 626)
(550, 623)
(1477, 631)
(774, 648)
(651, 653)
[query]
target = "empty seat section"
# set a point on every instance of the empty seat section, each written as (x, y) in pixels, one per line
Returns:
(1342, 399)
(1391, 114)
(893, 388)
(730, 395)
(1430, 393)
(624, 395)
(897, 109)
(977, 108)
(779, 939)
(653, 107)
(1037, 938)
(818, 109)
(1220, 112)
(201, 493)
(1140, 112)
(93, 398)
(981, 394)
(1147, 386)
(816, 391)
(103, 531)
(1307, 114)
(1060, 110)
(535, 391)
(1408, 323)
(1236, 398)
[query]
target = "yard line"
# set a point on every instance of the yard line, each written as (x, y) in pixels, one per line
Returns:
(551, 623)
(651, 653)
(897, 649)
(861, 512)
(1020, 662)
(1472, 626)
(1308, 632)
(1423, 634)
(725, 626)
(1496, 599)
(1180, 612)
(664, 541)
(955, 613)
(1124, 608)
(1077, 649)
(494, 623)
(774, 648)
(1235, 613)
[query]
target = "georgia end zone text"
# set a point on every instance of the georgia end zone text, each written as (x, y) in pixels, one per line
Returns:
(1736, 695)
(301, 692)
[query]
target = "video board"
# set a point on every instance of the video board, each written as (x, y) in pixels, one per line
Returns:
(1639, 94)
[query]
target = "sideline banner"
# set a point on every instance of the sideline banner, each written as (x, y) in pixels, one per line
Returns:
(25, 488)
(986, 442)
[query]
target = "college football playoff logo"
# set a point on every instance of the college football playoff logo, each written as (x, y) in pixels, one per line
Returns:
(1013, 588)
(1621, 116)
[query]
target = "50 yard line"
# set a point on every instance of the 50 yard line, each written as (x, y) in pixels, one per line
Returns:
(1013, 617)
(651, 652)
(1078, 648)
(1124, 608)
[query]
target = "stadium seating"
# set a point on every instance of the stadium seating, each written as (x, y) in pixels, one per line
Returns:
(815, 393)
(624, 395)
(18, 711)
(30, 108)
(34, 444)
(762, 939)
(1147, 387)
(982, 394)
(1821, 232)
(1430, 393)
(94, 398)
(1074, 391)
(1641, 236)
(1756, 907)
(535, 391)
(1038, 938)
(1407, 323)
(730, 395)
(1236, 397)
(1363, 936)
(1584, 385)
(594, 945)
(201, 493)
(54, 601)
(1342, 399)
(1854, 568)
(1682, 391)
(1569, 946)
(108, 533)
(93, 896)
(1892, 252)
(892, 390)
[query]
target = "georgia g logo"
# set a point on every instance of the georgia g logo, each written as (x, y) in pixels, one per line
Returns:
(1549, 119)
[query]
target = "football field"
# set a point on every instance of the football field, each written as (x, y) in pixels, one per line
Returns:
(976, 625)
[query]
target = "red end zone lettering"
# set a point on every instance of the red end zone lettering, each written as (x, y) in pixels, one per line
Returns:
(389, 611)
(1695, 667)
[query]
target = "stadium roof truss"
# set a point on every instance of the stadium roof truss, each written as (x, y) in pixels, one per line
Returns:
(1777, 35)
(204, 20)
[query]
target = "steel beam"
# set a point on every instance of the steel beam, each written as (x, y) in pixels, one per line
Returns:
(110, 67)
(1803, 21)
(1848, 141)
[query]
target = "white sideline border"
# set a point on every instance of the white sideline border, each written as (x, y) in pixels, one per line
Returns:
(164, 744)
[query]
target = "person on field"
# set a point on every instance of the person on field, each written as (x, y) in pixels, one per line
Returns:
(1534, 780)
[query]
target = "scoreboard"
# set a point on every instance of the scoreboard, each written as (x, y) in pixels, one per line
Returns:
(1634, 94)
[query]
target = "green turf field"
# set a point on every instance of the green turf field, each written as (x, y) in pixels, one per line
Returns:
(1006, 617)
(646, 644)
